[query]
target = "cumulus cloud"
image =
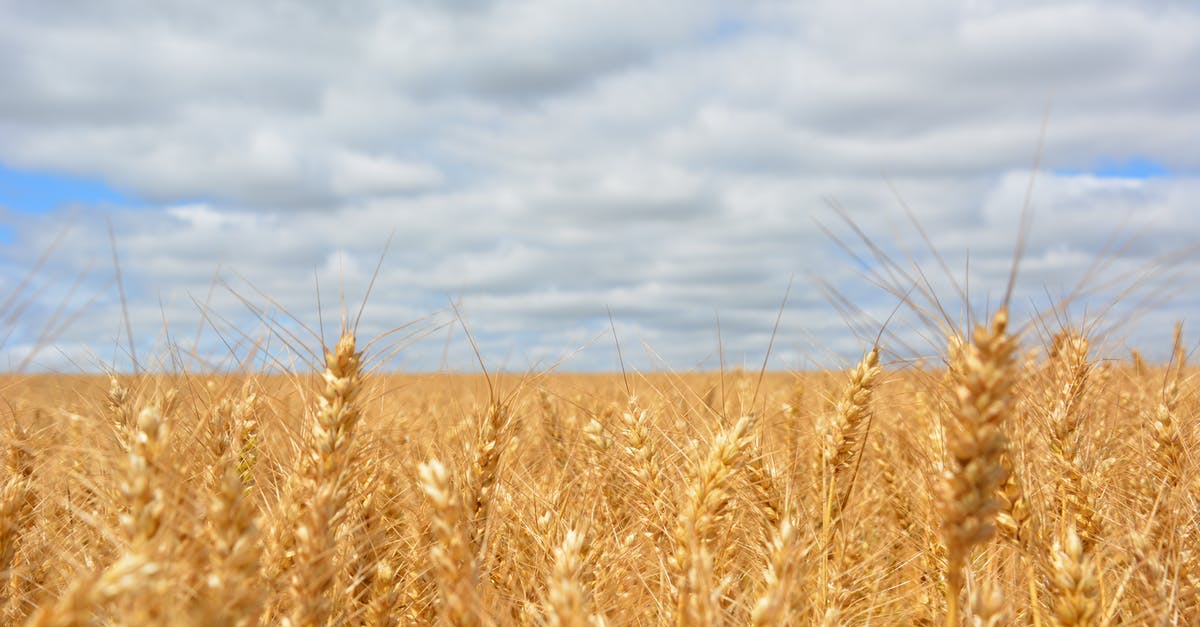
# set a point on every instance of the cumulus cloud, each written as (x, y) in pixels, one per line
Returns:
(542, 164)
(357, 174)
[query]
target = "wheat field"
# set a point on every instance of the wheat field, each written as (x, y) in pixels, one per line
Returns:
(1017, 479)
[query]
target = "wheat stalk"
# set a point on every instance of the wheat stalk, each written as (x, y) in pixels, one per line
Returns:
(233, 523)
(844, 436)
(484, 471)
(771, 606)
(567, 599)
(329, 482)
(705, 503)
(1075, 582)
(17, 501)
(451, 556)
(983, 379)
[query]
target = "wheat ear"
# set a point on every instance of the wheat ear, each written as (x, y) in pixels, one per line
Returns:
(567, 598)
(987, 601)
(329, 481)
(453, 560)
(17, 501)
(645, 465)
(1066, 417)
(1169, 453)
(140, 487)
(705, 503)
(484, 470)
(233, 522)
(983, 375)
(78, 604)
(771, 606)
(1075, 582)
(844, 434)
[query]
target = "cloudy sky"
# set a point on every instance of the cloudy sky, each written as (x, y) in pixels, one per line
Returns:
(540, 164)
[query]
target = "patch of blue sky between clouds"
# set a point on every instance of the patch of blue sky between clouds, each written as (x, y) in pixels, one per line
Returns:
(1132, 168)
(39, 192)
(726, 29)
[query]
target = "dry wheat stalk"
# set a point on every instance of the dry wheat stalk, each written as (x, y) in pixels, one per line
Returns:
(143, 487)
(490, 442)
(639, 447)
(1013, 519)
(140, 486)
(453, 560)
(772, 604)
(988, 605)
(643, 464)
(119, 402)
(982, 396)
(792, 414)
(765, 493)
(567, 598)
(78, 604)
(233, 524)
(1070, 363)
(1167, 445)
(553, 428)
(329, 483)
(372, 574)
(844, 435)
(1075, 582)
(17, 500)
(705, 502)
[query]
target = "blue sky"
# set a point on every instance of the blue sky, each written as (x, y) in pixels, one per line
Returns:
(33, 192)
(40, 191)
(544, 165)
(1138, 167)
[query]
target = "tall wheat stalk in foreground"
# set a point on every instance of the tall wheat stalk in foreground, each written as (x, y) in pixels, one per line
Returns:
(844, 436)
(983, 377)
(329, 484)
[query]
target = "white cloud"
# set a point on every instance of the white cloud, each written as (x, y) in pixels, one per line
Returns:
(357, 174)
(667, 161)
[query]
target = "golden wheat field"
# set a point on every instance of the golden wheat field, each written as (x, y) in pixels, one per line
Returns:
(599, 313)
(1018, 481)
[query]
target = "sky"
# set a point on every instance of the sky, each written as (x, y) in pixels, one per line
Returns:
(542, 174)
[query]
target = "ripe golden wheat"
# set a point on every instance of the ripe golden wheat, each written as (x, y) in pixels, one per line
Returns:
(1024, 482)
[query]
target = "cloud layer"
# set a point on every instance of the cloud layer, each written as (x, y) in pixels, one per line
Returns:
(541, 165)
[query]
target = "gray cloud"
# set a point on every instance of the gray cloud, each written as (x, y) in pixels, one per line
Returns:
(542, 164)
